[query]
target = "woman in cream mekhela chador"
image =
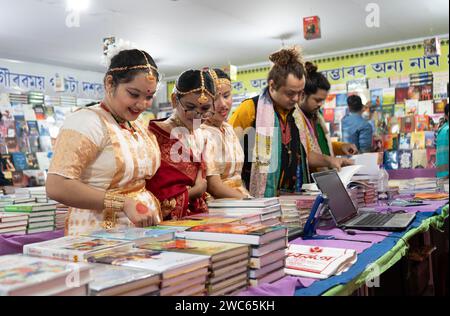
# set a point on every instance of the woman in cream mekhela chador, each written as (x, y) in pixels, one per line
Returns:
(103, 155)
(223, 153)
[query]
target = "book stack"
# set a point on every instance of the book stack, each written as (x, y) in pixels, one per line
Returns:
(110, 280)
(268, 246)
(228, 267)
(182, 225)
(364, 192)
(182, 274)
(60, 219)
(269, 209)
(13, 223)
(317, 262)
(75, 249)
(254, 219)
(39, 193)
(41, 215)
(296, 210)
(27, 276)
(138, 236)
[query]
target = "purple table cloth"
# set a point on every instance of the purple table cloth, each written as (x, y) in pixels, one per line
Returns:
(362, 241)
(13, 244)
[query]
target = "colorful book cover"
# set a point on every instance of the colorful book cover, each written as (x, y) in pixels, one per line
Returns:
(431, 158)
(394, 125)
(330, 102)
(73, 248)
(24, 144)
(18, 179)
(418, 140)
(339, 114)
(20, 161)
(34, 144)
(405, 142)
(311, 28)
(430, 140)
(408, 124)
(391, 160)
(400, 110)
(341, 100)
(377, 97)
(40, 112)
(18, 272)
(134, 234)
(388, 143)
(411, 106)
(21, 128)
(49, 111)
(9, 127)
(422, 123)
(439, 106)
(151, 260)
(197, 222)
(328, 115)
(425, 108)
(44, 129)
(7, 163)
(234, 228)
(388, 110)
(405, 159)
(426, 92)
(388, 96)
(414, 93)
(11, 143)
(419, 159)
(32, 162)
(196, 247)
(33, 128)
(45, 143)
(401, 95)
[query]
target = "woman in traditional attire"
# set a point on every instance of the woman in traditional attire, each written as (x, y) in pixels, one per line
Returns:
(223, 154)
(180, 183)
(103, 155)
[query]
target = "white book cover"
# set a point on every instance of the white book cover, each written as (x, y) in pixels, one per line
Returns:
(263, 202)
(161, 262)
(318, 262)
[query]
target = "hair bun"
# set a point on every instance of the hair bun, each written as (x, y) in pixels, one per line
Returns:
(286, 56)
(311, 68)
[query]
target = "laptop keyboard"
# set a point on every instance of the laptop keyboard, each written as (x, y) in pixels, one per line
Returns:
(375, 220)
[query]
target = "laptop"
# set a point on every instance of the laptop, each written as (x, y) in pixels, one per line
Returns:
(346, 215)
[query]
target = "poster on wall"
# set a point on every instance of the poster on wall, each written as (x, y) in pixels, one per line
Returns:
(311, 28)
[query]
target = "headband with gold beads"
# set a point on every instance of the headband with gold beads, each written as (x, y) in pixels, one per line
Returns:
(150, 76)
(219, 81)
(203, 98)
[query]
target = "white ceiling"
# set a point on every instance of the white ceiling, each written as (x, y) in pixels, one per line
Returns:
(192, 33)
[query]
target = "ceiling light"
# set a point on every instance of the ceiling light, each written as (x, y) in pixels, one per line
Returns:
(77, 5)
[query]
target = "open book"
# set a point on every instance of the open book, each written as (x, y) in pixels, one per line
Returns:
(318, 262)
(346, 174)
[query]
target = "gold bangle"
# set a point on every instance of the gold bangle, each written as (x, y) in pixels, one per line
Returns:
(114, 202)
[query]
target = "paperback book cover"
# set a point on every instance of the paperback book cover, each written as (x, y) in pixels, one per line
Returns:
(401, 95)
(419, 159)
(405, 159)
(391, 160)
(431, 158)
(377, 97)
(418, 140)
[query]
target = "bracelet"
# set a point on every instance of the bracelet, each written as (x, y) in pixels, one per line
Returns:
(114, 202)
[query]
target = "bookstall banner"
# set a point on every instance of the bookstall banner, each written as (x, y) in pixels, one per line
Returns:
(382, 63)
(51, 80)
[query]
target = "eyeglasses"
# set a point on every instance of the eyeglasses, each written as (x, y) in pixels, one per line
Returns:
(196, 114)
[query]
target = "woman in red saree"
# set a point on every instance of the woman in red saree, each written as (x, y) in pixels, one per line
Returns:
(180, 183)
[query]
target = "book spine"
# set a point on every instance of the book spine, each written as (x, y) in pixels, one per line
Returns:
(66, 255)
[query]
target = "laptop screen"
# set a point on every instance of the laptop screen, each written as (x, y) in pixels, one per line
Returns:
(340, 203)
